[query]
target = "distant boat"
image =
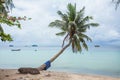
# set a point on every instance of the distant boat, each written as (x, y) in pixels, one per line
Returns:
(15, 49)
(35, 50)
(25, 46)
(34, 45)
(97, 45)
(11, 45)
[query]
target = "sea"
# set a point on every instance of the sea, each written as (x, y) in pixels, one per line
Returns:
(103, 60)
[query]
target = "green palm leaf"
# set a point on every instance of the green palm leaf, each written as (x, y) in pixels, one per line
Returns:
(82, 36)
(79, 15)
(57, 23)
(71, 11)
(84, 20)
(90, 24)
(85, 46)
(61, 33)
(63, 16)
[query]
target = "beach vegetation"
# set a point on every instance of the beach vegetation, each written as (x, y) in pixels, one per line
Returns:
(6, 7)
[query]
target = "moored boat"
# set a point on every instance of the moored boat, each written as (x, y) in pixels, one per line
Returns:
(97, 45)
(15, 49)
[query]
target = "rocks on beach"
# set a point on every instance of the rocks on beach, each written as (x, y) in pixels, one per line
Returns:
(28, 70)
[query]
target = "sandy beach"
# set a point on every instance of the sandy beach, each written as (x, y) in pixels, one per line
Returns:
(13, 74)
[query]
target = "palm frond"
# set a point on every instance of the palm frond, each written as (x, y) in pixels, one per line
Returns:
(71, 11)
(73, 46)
(90, 25)
(81, 36)
(87, 18)
(61, 33)
(64, 28)
(79, 15)
(57, 23)
(81, 30)
(63, 16)
(93, 24)
(85, 46)
(84, 20)
(77, 46)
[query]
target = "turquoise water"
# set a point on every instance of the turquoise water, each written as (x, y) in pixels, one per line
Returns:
(99, 61)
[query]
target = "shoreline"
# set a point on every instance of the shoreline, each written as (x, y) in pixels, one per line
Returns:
(88, 73)
(13, 74)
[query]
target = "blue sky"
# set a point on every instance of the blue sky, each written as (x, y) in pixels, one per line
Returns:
(42, 12)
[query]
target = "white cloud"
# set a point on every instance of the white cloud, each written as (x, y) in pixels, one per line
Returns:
(43, 12)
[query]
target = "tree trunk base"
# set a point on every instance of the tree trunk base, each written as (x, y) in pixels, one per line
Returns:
(28, 70)
(42, 67)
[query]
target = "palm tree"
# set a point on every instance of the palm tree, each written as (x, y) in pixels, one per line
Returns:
(73, 26)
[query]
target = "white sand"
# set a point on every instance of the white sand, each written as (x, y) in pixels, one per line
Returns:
(13, 74)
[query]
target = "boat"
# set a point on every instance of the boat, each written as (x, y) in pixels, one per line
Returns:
(16, 50)
(97, 45)
(34, 45)
(11, 45)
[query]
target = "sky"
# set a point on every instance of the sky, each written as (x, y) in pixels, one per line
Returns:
(42, 12)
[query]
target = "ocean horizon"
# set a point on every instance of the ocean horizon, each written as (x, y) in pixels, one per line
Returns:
(103, 60)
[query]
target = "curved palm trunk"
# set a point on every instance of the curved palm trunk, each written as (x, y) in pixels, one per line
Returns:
(54, 57)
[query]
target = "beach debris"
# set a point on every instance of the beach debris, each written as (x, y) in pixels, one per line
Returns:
(47, 75)
(21, 78)
(6, 75)
(2, 69)
(29, 70)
